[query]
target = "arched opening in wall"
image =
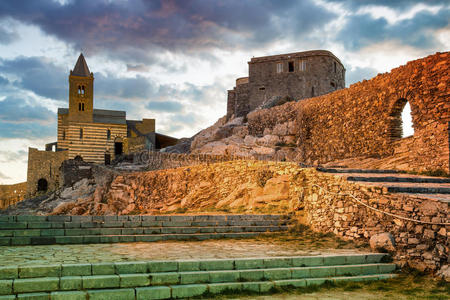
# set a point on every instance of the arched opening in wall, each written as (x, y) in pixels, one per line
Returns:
(42, 185)
(401, 120)
(78, 158)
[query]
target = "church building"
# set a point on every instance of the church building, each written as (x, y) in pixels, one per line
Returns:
(93, 135)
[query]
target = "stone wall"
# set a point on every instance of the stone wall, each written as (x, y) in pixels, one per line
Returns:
(162, 160)
(321, 200)
(44, 165)
(12, 193)
(329, 207)
(363, 120)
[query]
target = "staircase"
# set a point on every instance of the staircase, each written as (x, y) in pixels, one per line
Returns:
(185, 278)
(47, 230)
(395, 182)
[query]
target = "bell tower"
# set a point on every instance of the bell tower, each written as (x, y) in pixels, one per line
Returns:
(81, 92)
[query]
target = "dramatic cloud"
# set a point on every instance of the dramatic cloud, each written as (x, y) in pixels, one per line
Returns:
(37, 74)
(126, 28)
(18, 118)
(166, 106)
(9, 156)
(357, 74)
(363, 30)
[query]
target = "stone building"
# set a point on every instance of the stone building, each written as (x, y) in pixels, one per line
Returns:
(93, 135)
(297, 75)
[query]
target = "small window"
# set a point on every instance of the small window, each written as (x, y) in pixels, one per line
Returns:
(64, 134)
(279, 67)
(82, 106)
(312, 91)
(79, 106)
(333, 84)
(335, 67)
(291, 66)
(262, 88)
(302, 65)
(79, 90)
(108, 134)
(82, 90)
(81, 133)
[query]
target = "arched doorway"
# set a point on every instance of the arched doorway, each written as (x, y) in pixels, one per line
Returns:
(400, 120)
(107, 158)
(78, 158)
(118, 146)
(42, 185)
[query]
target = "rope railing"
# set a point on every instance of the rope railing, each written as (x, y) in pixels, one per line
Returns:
(379, 210)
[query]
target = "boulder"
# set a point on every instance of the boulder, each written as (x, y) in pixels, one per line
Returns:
(444, 273)
(382, 242)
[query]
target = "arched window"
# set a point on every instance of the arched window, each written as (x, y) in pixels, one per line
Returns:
(82, 90)
(79, 106)
(108, 134)
(79, 90)
(42, 185)
(81, 133)
(400, 120)
(64, 134)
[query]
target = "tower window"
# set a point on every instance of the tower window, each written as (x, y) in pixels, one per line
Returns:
(81, 106)
(81, 133)
(291, 66)
(81, 90)
(108, 134)
(279, 67)
(302, 65)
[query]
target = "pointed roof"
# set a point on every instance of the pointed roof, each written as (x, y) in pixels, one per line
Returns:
(81, 68)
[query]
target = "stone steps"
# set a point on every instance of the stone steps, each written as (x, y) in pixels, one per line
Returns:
(399, 179)
(99, 239)
(366, 171)
(46, 230)
(186, 278)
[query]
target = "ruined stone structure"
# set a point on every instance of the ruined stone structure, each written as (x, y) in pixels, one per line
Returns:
(296, 75)
(365, 119)
(12, 193)
(93, 135)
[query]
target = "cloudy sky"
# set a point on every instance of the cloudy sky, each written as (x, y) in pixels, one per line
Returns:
(173, 60)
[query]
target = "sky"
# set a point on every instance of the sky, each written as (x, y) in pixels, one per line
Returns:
(173, 60)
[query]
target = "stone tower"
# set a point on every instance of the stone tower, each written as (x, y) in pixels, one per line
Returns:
(81, 92)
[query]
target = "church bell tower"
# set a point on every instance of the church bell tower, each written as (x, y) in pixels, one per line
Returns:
(81, 92)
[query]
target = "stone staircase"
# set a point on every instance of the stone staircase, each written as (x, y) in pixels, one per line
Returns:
(396, 182)
(47, 230)
(185, 278)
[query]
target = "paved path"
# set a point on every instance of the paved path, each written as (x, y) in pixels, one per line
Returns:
(44, 254)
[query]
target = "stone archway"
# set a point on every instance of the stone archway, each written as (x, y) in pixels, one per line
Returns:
(42, 185)
(396, 122)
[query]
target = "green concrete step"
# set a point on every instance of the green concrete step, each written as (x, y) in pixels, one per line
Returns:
(136, 224)
(100, 239)
(135, 230)
(188, 290)
(218, 273)
(144, 218)
(155, 266)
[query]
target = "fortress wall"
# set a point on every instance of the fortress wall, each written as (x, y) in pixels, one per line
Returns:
(44, 165)
(12, 193)
(365, 119)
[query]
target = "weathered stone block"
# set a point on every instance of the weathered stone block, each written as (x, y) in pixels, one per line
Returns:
(154, 292)
(103, 268)
(248, 263)
(75, 269)
(190, 290)
(116, 294)
(34, 296)
(194, 277)
(131, 267)
(70, 283)
(277, 274)
(101, 281)
(6, 287)
(219, 264)
(39, 271)
(162, 266)
(164, 278)
(217, 288)
(36, 285)
(9, 272)
(72, 295)
(134, 280)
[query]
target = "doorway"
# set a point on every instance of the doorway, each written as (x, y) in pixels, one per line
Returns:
(42, 185)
